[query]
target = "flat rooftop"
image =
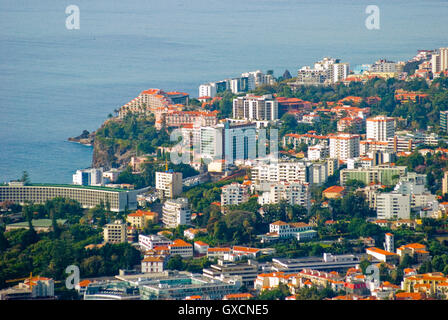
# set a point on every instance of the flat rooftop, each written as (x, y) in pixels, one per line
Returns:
(68, 186)
(37, 223)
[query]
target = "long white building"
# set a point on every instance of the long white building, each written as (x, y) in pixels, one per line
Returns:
(281, 171)
(294, 193)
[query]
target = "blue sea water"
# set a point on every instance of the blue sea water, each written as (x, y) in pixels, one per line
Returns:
(55, 82)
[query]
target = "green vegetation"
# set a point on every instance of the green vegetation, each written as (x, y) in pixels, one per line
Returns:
(48, 254)
(133, 132)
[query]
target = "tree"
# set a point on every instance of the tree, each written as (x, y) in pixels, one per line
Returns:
(426, 267)
(175, 263)
(279, 293)
(220, 231)
(4, 244)
(286, 75)
(25, 178)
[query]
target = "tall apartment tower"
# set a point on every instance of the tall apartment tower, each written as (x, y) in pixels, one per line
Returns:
(169, 183)
(251, 107)
(344, 146)
(445, 183)
(338, 72)
(176, 212)
(389, 242)
(439, 61)
(380, 128)
(444, 120)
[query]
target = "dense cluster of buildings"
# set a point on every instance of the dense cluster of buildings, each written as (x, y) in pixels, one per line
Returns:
(280, 169)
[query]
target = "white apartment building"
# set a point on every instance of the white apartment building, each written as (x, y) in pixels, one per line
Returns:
(412, 183)
(234, 194)
(380, 128)
(148, 242)
(281, 171)
(111, 175)
(393, 206)
(88, 177)
(176, 212)
(384, 66)
(338, 72)
(251, 107)
(439, 61)
(389, 243)
(318, 152)
(294, 193)
(211, 142)
(257, 78)
(319, 173)
(344, 146)
(181, 248)
(169, 183)
(229, 141)
(115, 232)
(207, 90)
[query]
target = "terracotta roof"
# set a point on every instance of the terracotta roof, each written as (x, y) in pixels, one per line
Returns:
(334, 189)
(200, 243)
(218, 250)
(279, 223)
(380, 251)
(153, 259)
(84, 283)
(409, 296)
(180, 243)
(246, 249)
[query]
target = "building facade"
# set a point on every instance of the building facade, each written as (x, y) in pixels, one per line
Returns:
(176, 212)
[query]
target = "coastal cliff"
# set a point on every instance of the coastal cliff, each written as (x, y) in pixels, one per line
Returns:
(117, 140)
(107, 153)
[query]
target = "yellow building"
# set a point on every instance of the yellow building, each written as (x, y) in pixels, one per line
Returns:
(427, 283)
(416, 250)
(140, 218)
(334, 192)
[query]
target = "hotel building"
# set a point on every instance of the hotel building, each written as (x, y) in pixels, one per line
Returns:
(87, 196)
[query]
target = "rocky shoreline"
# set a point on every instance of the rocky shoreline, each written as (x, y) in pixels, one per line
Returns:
(85, 138)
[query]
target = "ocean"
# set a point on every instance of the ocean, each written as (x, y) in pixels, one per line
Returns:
(56, 82)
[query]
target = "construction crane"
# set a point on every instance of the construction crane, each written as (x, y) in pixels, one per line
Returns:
(30, 278)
